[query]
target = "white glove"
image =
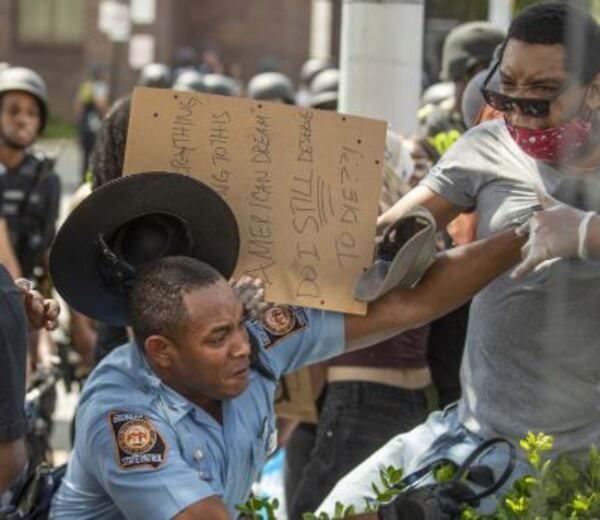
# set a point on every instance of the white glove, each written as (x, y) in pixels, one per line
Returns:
(556, 231)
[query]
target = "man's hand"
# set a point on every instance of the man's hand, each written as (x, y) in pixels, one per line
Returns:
(41, 313)
(251, 292)
(556, 231)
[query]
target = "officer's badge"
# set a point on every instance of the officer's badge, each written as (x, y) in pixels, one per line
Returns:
(138, 442)
(277, 323)
(278, 320)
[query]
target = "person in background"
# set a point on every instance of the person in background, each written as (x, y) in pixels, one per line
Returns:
(271, 86)
(370, 394)
(21, 310)
(90, 106)
(310, 69)
(155, 75)
(468, 49)
(29, 187)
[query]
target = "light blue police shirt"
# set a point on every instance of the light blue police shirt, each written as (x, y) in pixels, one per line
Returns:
(144, 451)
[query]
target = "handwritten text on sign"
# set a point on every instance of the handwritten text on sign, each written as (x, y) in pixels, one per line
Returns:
(303, 184)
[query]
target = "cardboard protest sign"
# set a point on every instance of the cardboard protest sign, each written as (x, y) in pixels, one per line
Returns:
(304, 184)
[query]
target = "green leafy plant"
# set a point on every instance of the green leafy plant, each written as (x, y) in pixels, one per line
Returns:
(254, 508)
(560, 489)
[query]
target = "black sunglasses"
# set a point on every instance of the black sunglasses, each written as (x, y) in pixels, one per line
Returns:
(531, 107)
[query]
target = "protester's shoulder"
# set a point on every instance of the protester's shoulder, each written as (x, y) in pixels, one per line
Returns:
(493, 132)
(478, 149)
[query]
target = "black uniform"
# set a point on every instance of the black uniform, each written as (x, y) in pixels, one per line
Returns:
(13, 354)
(29, 199)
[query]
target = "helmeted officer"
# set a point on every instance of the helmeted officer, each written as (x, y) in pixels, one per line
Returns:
(309, 70)
(271, 86)
(29, 188)
(221, 85)
(177, 423)
(155, 75)
(468, 49)
(324, 90)
(190, 81)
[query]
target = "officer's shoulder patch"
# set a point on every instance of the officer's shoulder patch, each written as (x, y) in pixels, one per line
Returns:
(278, 323)
(138, 443)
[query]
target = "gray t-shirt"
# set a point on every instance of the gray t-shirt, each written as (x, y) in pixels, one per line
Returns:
(532, 354)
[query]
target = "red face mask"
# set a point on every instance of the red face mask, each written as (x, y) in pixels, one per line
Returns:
(554, 144)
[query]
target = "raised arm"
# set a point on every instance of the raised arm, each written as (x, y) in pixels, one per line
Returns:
(442, 209)
(455, 277)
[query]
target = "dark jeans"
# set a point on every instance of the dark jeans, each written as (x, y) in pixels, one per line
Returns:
(357, 419)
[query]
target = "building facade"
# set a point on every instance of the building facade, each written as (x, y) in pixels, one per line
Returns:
(61, 39)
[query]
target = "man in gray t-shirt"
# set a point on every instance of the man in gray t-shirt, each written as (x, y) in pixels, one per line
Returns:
(531, 360)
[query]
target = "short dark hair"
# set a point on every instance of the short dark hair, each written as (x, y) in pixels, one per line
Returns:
(156, 303)
(562, 23)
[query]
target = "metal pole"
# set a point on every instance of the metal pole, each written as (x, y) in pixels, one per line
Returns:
(500, 13)
(381, 60)
(320, 29)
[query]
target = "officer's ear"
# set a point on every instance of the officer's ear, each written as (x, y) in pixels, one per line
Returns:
(160, 351)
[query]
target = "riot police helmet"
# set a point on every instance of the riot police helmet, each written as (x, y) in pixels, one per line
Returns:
(156, 75)
(324, 90)
(190, 81)
(271, 86)
(221, 85)
(22, 79)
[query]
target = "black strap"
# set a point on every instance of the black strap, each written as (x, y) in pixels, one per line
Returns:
(463, 470)
(410, 479)
(482, 448)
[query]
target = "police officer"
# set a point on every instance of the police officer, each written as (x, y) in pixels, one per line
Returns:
(190, 81)
(29, 188)
(271, 86)
(324, 90)
(20, 308)
(309, 70)
(468, 49)
(155, 75)
(177, 424)
(221, 85)
(91, 104)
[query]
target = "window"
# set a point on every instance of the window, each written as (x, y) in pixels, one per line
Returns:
(51, 21)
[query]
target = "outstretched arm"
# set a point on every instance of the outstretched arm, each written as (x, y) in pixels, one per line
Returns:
(455, 277)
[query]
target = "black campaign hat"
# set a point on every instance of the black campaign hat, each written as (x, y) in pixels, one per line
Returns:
(129, 223)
